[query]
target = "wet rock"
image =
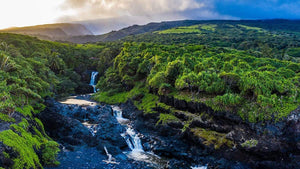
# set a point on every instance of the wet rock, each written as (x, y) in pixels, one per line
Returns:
(5, 161)
(176, 125)
(84, 88)
(110, 130)
(174, 164)
(63, 123)
(64, 128)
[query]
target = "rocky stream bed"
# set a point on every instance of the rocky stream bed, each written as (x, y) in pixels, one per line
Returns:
(85, 129)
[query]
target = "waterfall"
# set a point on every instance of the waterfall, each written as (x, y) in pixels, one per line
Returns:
(93, 78)
(133, 141)
(119, 117)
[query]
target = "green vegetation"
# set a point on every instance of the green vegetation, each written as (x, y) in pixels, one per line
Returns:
(251, 28)
(6, 118)
(27, 145)
(209, 27)
(31, 69)
(294, 52)
(249, 69)
(224, 79)
(241, 68)
(249, 143)
(165, 118)
(181, 30)
(212, 138)
(272, 39)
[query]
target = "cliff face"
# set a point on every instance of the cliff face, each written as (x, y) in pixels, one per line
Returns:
(223, 135)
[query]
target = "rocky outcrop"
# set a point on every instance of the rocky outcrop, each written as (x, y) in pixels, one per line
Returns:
(64, 123)
(268, 145)
(246, 145)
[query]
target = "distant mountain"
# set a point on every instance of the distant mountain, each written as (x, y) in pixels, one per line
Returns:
(132, 30)
(102, 26)
(84, 31)
(60, 31)
(277, 25)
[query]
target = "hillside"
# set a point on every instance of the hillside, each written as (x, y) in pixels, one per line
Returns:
(30, 71)
(132, 30)
(272, 26)
(52, 31)
(222, 93)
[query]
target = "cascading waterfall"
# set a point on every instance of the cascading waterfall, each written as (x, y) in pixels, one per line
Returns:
(134, 142)
(93, 79)
(119, 116)
(132, 139)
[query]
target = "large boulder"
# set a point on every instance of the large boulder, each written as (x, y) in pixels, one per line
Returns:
(65, 129)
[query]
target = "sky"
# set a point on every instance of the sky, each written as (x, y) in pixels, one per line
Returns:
(33, 12)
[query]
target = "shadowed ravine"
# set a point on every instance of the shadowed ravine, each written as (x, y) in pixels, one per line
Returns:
(97, 136)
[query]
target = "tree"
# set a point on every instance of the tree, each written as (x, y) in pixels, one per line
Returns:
(173, 70)
(5, 64)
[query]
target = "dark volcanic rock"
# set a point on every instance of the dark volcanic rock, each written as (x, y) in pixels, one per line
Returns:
(84, 88)
(64, 124)
(4, 161)
(109, 131)
(275, 145)
(64, 128)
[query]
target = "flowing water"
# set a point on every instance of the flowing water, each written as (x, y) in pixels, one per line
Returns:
(199, 167)
(91, 127)
(135, 144)
(93, 80)
(131, 137)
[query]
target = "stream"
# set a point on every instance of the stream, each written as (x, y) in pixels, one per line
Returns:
(100, 136)
(83, 156)
(97, 136)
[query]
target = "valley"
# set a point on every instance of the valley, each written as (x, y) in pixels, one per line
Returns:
(178, 94)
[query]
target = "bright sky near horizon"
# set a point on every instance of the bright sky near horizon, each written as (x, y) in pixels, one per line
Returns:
(33, 12)
(29, 12)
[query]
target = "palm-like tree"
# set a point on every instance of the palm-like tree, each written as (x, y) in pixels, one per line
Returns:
(4, 65)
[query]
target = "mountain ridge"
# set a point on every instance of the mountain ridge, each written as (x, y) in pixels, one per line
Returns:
(58, 31)
(81, 32)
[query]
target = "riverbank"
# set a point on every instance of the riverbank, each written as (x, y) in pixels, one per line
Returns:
(85, 131)
(92, 127)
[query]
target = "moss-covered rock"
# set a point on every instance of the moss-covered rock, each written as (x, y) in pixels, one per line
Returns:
(29, 146)
(212, 138)
(249, 143)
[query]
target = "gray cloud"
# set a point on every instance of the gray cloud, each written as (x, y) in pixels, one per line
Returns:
(152, 9)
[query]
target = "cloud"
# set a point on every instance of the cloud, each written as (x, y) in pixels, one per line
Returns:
(144, 11)
(151, 9)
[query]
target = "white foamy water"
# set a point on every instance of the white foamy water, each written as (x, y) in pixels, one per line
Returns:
(93, 80)
(199, 167)
(134, 142)
(91, 127)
